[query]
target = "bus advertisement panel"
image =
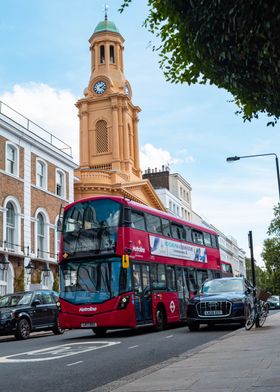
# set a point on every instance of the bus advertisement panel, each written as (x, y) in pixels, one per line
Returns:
(123, 264)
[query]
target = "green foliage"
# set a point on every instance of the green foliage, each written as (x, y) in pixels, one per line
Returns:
(232, 44)
(19, 282)
(56, 282)
(262, 280)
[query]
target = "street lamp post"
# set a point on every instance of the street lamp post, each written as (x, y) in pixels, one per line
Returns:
(236, 158)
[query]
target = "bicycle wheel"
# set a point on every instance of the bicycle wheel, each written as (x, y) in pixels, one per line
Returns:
(250, 320)
(263, 316)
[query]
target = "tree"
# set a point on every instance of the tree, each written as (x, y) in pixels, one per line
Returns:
(261, 275)
(232, 44)
(271, 251)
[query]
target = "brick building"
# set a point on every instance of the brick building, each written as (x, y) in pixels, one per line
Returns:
(36, 179)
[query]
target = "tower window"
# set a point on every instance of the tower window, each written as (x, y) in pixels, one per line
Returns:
(112, 54)
(102, 54)
(101, 137)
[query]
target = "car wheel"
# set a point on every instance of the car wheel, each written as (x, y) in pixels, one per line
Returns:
(99, 331)
(57, 330)
(23, 330)
(193, 326)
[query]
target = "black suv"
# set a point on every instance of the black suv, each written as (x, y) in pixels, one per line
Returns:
(223, 300)
(29, 311)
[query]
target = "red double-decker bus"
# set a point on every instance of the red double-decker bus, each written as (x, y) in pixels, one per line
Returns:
(123, 265)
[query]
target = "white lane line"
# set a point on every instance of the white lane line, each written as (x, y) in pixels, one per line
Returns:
(169, 336)
(75, 363)
(133, 347)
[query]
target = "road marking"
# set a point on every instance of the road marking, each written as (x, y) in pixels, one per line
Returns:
(169, 336)
(133, 347)
(56, 352)
(75, 363)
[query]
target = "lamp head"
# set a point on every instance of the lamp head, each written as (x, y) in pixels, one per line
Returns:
(232, 159)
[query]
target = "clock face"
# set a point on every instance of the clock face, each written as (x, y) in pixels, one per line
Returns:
(126, 90)
(100, 87)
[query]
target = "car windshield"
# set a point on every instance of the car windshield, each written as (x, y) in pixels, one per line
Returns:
(222, 286)
(15, 300)
(274, 298)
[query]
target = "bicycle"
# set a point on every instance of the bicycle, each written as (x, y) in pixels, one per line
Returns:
(259, 312)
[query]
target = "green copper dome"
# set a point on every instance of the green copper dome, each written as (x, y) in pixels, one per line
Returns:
(106, 25)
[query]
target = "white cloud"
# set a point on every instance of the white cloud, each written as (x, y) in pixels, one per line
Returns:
(266, 202)
(50, 108)
(153, 157)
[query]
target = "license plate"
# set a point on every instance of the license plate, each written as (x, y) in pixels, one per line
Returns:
(88, 325)
(213, 312)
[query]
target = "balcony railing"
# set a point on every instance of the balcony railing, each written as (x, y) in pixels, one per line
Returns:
(34, 129)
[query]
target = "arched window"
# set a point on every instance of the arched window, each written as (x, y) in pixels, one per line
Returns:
(10, 226)
(41, 174)
(101, 137)
(102, 54)
(41, 245)
(112, 54)
(12, 159)
(60, 183)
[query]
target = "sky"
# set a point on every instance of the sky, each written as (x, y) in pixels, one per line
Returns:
(45, 66)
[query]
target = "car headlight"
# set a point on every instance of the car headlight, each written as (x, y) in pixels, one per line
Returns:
(7, 315)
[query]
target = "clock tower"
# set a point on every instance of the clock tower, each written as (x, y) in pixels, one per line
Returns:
(109, 150)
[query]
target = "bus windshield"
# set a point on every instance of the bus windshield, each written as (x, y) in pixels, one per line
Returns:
(93, 281)
(91, 227)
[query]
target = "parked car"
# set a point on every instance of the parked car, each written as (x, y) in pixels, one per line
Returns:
(223, 300)
(29, 311)
(274, 302)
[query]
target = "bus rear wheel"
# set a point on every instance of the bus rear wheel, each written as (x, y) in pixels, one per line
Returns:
(100, 331)
(160, 318)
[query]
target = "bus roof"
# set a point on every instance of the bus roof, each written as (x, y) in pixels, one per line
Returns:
(144, 208)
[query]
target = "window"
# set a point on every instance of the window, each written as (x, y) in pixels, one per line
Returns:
(207, 239)
(158, 277)
(170, 278)
(177, 231)
(188, 231)
(10, 226)
(197, 237)
(214, 241)
(153, 224)
(102, 54)
(202, 275)
(112, 54)
(11, 159)
(102, 140)
(137, 220)
(60, 183)
(166, 227)
(40, 235)
(41, 174)
(191, 279)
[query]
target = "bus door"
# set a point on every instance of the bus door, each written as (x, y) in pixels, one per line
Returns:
(142, 293)
(183, 292)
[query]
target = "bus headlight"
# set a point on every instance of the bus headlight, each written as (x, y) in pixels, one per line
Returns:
(124, 301)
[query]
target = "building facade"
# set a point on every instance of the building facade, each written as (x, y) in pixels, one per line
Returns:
(36, 180)
(109, 150)
(173, 190)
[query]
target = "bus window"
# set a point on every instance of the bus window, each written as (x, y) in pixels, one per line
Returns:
(170, 278)
(207, 239)
(177, 231)
(214, 241)
(191, 279)
(197, 237)
(202, 275)
(210, 274)
(166, 227)
(138, 220)
(188, 231)
(137, 278)
(153, 224)
(158, 277)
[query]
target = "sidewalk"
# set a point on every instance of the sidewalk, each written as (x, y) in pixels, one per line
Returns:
(243, 361)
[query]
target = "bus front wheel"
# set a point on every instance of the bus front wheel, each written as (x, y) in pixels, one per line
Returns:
(160, 318)
(99, 331)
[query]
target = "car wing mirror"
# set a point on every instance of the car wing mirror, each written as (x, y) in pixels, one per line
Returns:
(36, 302)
